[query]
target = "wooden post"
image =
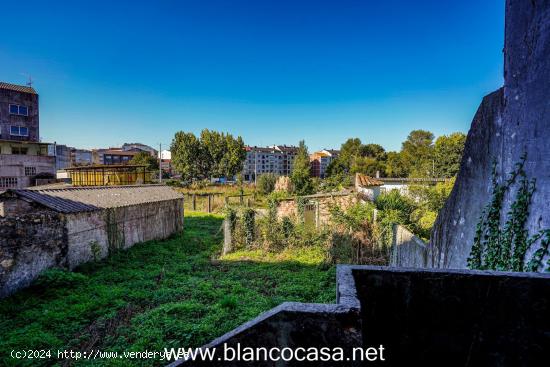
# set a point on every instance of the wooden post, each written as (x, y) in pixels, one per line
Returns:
(194, 202)
(209, 203)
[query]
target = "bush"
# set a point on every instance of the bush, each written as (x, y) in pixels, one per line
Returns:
(266, 183)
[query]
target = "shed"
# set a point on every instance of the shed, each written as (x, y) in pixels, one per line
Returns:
(65, 227)
(367, 186)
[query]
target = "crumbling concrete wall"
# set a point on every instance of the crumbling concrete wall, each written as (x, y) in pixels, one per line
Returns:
(93, 235)
(30, 244)
(509, 123)
(408, 250)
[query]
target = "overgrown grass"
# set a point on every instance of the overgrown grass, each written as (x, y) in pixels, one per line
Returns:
(158, 294)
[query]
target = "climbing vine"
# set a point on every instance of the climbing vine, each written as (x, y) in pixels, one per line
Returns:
(249, 227)
(505, 247)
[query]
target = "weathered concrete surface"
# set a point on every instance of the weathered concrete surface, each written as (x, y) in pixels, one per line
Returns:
(510, 122)
(408, 251)
(29, 244)
(421, 317)
(296, 325)
(455, 318)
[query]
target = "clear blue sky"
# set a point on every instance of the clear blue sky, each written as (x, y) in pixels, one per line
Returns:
(273, 71)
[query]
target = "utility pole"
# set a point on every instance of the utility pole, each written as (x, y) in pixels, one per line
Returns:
(160, 162)
(255, 165)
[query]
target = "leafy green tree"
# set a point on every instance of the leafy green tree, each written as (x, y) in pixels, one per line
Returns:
(349, 150)
(396, 165)
(188, 156)
(373, 151)
(215, 154)
(145, 158)
(367, 165)
(448, 152)
(336, 167)
(301, 173)
(417, 153)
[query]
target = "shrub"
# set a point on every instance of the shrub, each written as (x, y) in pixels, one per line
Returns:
(266, 183)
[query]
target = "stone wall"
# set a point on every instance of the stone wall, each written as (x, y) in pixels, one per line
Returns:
(408, 251)
(289, 207)
(509, 123)
(29, 244)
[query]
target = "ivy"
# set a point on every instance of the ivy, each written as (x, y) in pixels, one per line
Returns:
(505, 248)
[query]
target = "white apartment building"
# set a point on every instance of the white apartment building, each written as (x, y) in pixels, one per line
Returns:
(277, 159)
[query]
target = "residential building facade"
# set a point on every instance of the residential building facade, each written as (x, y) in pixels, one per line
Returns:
(276, 159)
(113, 155)
(320, 161)
(23, 157)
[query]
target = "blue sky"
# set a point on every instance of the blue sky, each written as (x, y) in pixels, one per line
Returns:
(273, 72)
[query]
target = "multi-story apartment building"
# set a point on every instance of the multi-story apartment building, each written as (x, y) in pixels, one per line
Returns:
(81, 157)
(22, 155)
(120, 155)
(320, 161)
(113, 155)
(140, 147)
(277, 159)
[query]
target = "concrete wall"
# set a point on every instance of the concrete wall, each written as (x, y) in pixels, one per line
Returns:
(455, 318)
(510, 122)
(13, 165)
(30, 244)
(408, 250)
(92, 235)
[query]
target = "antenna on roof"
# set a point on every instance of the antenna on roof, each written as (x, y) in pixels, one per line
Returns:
(29, 79)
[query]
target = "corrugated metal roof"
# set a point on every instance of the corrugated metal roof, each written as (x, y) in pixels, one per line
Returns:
(17, 88)
(82, 199)
(367, 181)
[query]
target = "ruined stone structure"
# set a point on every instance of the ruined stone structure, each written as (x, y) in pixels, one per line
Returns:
(421, 318)
(41, 229)
(510, 122)
(408, 251)
(318, 207)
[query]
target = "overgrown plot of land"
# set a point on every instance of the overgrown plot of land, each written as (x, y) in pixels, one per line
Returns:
(158, 294)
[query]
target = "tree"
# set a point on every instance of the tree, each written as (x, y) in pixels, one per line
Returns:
(448, 154)
(335, 167)
(367, 165)
(301, 174)
(396, 165)
(145, 158)
(417, 153)
(349, 150)
(214, 154)
(266, 183)
(188, 156)
(373, 151)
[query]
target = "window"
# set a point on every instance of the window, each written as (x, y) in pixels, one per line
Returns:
(19, 150)
(19, 131)
(8, 182)
(30, 171)
(16, 109)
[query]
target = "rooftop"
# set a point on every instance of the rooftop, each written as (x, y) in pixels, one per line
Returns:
(367, 181)
(84, 199)
(17, 88)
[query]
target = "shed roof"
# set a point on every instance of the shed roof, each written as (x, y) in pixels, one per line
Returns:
(83, 199)
(367, 181)
(17, 88)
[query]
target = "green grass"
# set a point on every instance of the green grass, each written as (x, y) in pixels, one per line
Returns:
(171, 293)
